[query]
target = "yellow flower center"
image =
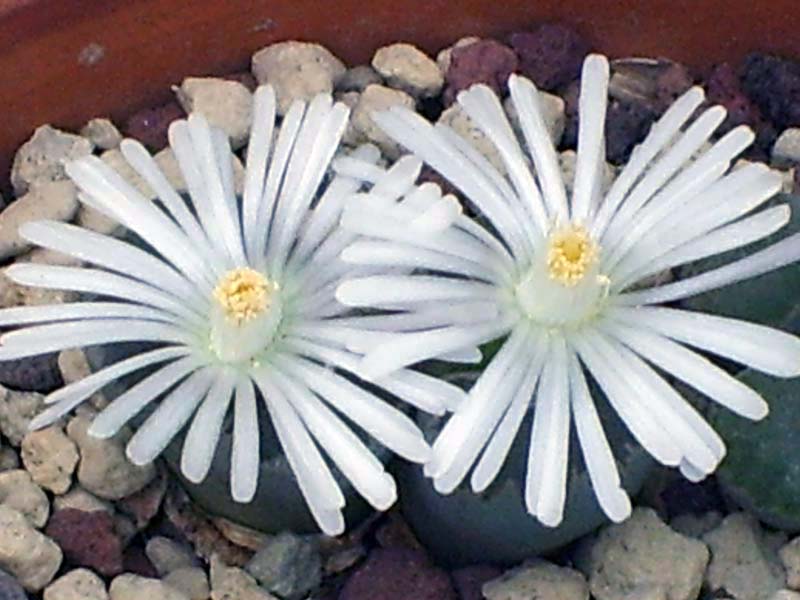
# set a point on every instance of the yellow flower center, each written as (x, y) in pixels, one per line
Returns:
(571, 252)
(244, 294)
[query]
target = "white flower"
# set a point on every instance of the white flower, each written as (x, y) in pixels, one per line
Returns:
(237, 300)
(558, 275)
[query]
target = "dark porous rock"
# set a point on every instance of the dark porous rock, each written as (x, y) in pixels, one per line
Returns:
(150, 125)
(680, 496)
(398, 574)
(10, 588)
(88, 539)
(627, 124)
(655, 83)
(484, 61)
(32, 374)
(773, 83)
(723, 87)
(396, 533)
(551, 56)
(672, 81)
(134, 560)
(469, 580)
(144, 504)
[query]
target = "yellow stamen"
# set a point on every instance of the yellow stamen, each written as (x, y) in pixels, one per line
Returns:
(244, 294)
(571, 253)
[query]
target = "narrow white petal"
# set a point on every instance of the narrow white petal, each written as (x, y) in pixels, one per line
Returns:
(245, 454)
(169, 418)
(133, 400)
(379, 290)
(41, 313)
(201, 440)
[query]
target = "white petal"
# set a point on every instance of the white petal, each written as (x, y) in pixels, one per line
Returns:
(245, 454)
(41, 313)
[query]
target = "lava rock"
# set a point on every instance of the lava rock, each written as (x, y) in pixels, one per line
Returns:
(723, 87)
(551, 56)
(18, 491)
(143, 505)
(538, 579)
(10, 589)
(288, 565)
(297, 70)
(406, 67)
(88, 539)
(643, 554)
(27, 554)
(41, 159)
(468, 581)
(483, 61)
(445, 55)
(50, 457)
(398, 574)
(773, 83)
(35, 373)
(78, 584)
(626, 126)
(150, 125)
(743, 562)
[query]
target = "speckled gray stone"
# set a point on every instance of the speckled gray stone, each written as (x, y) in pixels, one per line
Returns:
(288, 565)
(540, 580)
(41, 158)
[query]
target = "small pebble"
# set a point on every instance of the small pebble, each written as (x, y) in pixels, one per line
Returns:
(358, 78)
(150, 125)
(643, 553)
(297, 70)
(25, 553)
(88, 539)
(723, 87)
(41, 159)
(241, 535)
(773, 83)
(50, 457)
(484, 61)
(191, 581)
(16, 411)
(567, 160)
(226, 104)
(287, 565)
(52, 200)
(445, 55)
(79, 499)
(18, 491)
(102, 133)
(406, 67)
(104, 470)
(786, 151)
(232, 583)
(376, 98)
(790, 557)
(551, 56)
(135, 587)
(168, 555)
(78, 584)
(9, 459)
(143, 505)
(553, 111)
(457, 119)
(10, 588)
(74, 366)
(743, 562)
(538, 579)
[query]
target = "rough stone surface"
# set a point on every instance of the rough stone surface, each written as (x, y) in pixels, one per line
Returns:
(78, 584)
(40, 159)
(145, 504)
(297, 70)
(88, 539)
(445, 55)
(150, 125)
(459, 121)
(468, 581)
(10, 588)
(398, 574)
(551, 56)
(724, 87)
(168, 555)
(8, 459)
(484, 61)
(406, 67)
(786, 151)
(226, 104)
(34, 373)
(53, 200)
(50, 457)
(743, 562)
(232, 583)
(287, 565)
(643, 554)
(79, 499)
(358, 78)
(136, 587)
(538, 579)
(191, 581)
(790, 557)
(773, 83)
(25, 553)
(376, 98)
(102, 133)
(18, 491)
(16, 411)
(652, 83)
(696, 526)
(104, 469)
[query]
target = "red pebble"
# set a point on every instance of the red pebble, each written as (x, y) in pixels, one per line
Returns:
(150, 125)
(551, 56)
(398, 574)
(88, 539)
(484, 61)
